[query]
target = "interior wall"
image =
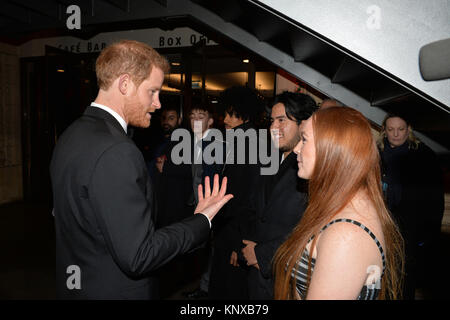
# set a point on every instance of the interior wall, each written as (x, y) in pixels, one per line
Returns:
(11, 184)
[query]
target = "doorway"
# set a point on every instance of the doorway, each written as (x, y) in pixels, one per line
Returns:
(56, 88)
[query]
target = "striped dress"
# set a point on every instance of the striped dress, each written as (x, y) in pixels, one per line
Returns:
(368, 292)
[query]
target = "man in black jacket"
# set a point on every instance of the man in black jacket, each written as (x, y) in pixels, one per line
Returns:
(106, 242)
(241, 107)
(177, 192)
(280, 199)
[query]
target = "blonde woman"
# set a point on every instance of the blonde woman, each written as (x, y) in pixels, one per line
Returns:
(346, 246)
(414, 193)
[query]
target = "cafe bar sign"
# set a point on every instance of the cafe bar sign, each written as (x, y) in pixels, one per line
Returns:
(155, 37)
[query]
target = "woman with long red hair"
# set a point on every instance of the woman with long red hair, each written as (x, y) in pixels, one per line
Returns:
(346, 246)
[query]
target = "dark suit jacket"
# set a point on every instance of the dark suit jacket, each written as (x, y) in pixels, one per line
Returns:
(174, 191)
(178, 183)
(226, 281)
(274, 218)
(103, 201)
(242, 178)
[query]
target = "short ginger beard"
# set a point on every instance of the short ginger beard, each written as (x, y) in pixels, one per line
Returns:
(134, 113)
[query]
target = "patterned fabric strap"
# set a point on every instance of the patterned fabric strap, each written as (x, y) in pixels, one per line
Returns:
(359, 224)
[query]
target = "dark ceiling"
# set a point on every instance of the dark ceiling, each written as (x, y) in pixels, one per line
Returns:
(22, 20)
(365, 81)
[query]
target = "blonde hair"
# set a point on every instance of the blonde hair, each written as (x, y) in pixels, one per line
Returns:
(127, 57)
(347, 161)
(412, 140)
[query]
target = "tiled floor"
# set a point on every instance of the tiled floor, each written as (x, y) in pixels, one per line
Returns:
(27, 256)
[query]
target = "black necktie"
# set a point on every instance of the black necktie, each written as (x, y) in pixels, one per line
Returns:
(197, 170)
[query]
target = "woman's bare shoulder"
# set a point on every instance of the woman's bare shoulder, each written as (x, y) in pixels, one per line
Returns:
(348, 235)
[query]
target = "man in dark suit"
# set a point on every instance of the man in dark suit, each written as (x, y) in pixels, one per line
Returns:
(106, 243)
(170, 120)
(241, 107)
(177, 194)
(185, 177)
(280, 199)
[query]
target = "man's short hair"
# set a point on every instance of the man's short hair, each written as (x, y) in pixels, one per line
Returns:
(242, 102)
(127, 57)
(298, 106)
(203, 106)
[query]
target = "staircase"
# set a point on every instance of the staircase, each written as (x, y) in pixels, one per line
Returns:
(361, 53)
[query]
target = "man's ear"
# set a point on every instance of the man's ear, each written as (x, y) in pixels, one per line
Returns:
(124, 83)
(210, 122)
(179, 121)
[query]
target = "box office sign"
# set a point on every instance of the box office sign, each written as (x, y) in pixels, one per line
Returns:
(156, 38)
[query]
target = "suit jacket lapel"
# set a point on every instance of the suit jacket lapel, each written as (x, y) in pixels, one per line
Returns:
(102, 114)
(283, 177)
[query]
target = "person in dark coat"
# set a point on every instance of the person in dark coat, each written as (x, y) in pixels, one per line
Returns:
(413, 186)
(177, 195)
(174, 189)
(280, 199)
(106, 242)
(170, 120)
(178, 182)
(241, 106)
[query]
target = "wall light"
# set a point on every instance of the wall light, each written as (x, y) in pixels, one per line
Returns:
(246, 61)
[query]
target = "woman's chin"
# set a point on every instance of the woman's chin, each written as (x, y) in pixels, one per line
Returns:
(301, 174)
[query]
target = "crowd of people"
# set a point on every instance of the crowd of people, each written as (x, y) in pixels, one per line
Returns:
(344, 217)
(267, 209)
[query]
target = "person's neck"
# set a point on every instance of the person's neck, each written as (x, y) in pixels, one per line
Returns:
(360, 201)
(109, 100)
(286, 153)
(241, 124)
(203, 134)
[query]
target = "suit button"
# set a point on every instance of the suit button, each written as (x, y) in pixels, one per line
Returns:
(263, 220)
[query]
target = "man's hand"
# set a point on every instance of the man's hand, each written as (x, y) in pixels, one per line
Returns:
(234, 259)
(211, 202)
(249, 253)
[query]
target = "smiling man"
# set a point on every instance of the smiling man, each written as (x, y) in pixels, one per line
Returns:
(106, 242)
(279, 200)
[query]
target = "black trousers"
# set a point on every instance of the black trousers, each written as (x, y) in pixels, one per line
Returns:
(227, 281)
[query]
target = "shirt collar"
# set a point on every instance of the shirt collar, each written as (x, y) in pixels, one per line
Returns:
(196, 139)
(113, 113)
